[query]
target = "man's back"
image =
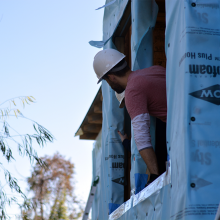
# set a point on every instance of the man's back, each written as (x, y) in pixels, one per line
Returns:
(146, 92)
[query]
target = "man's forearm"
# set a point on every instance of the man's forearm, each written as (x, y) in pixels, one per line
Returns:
(150, 159)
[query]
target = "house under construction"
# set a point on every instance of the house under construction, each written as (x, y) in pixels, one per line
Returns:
(184, 37)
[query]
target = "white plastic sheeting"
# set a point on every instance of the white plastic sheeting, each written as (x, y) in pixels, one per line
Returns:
(193, 95)
(153, 188)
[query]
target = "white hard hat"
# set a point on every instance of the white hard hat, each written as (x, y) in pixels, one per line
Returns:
(120, 98)
(105, 60)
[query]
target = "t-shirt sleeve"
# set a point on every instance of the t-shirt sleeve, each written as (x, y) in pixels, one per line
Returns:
(141, 127)
(136, 104)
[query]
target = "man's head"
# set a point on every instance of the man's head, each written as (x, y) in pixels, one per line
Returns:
(111, 66)
(114, 76)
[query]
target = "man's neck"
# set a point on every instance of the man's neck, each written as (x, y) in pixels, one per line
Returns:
(124, 80)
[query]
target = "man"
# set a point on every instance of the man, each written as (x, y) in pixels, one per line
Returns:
(145, 95)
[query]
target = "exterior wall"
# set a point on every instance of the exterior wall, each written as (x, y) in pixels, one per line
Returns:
(193, 94)
(112, 163)
(96, 167)
(112, 195)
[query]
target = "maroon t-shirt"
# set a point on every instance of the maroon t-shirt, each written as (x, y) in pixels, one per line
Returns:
(146, 93)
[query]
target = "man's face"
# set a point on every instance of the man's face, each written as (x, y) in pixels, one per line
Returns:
(115, 86)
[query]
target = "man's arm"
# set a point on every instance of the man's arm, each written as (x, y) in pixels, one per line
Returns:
(137, 106)
(141, 126)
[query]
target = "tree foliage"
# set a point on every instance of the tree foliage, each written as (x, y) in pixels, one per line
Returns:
(11, 138)
(53, 189)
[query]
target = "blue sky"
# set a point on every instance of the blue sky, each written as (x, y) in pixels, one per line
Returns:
(44, 52)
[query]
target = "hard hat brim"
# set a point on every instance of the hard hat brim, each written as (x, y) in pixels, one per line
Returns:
(100, 80)
(117, 69)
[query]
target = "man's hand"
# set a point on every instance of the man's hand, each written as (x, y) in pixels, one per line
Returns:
(122, 136)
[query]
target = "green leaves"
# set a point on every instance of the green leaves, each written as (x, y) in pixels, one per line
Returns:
(9, 138)
(6, 130)
(5, 112)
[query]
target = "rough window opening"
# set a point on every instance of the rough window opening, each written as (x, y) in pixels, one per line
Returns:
(160, 59)
(122, 41)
